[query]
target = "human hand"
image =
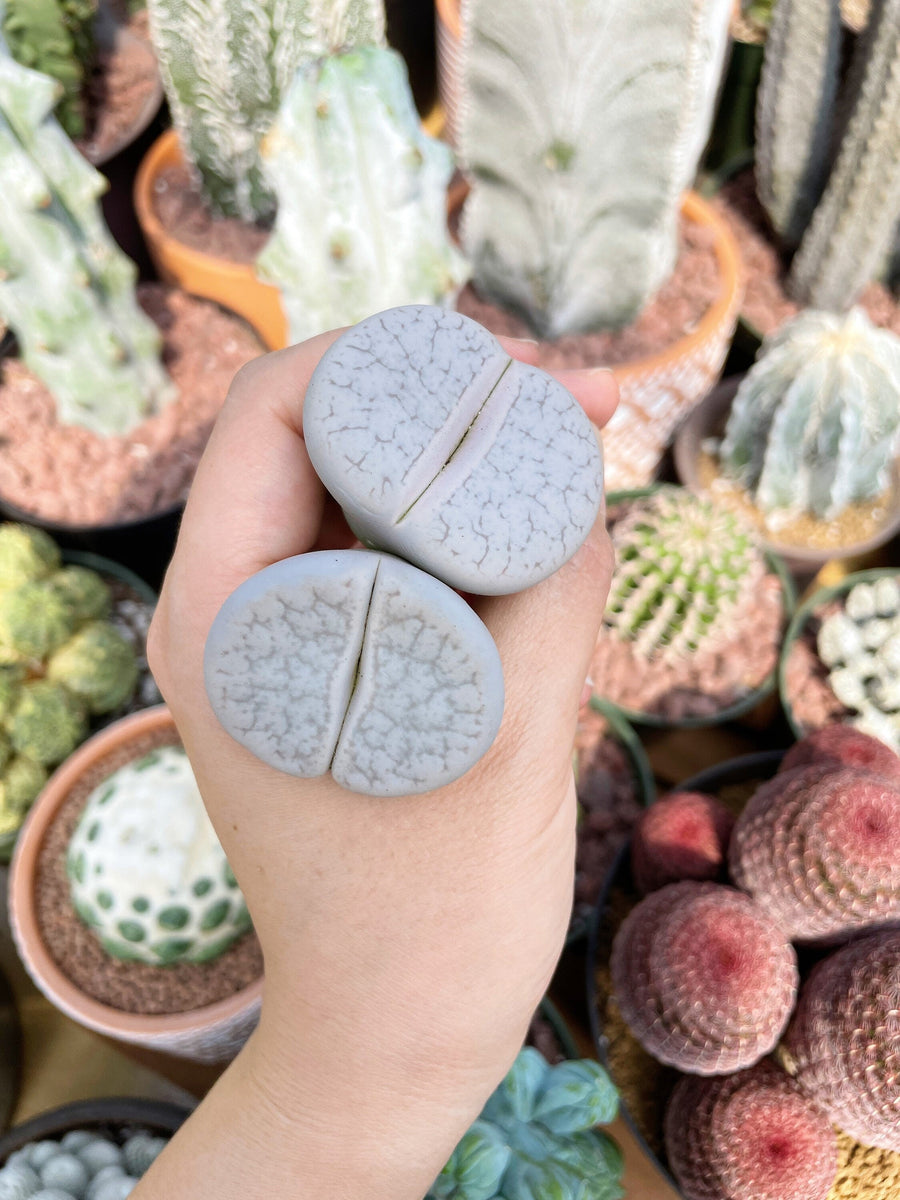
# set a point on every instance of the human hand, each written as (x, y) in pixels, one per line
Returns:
(407, 941)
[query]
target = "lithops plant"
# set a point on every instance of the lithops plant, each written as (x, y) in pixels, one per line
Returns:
(814, 425)
(860, 645)
(536, 1137)
(82, 1165)
(843, 1043)
(749, 1136)
(359, 664)
(843, 746)
(146, 871)
(362, 196)
(704, 978)
(442, 449)
(686, 568)
(682, 836)
(819, 850)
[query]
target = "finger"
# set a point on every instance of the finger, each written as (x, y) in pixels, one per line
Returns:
(523, 349)
(596, 391)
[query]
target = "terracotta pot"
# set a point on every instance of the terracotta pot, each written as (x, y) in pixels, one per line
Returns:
(233, 285)
(213, 1033)
(449, 63)
(708, 420)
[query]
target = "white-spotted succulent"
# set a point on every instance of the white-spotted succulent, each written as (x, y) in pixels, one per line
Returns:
(82, 1165)
(537, 1138)
(146, 871)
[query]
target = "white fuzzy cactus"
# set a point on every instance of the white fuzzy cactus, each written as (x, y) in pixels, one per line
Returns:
(362, 197)
(226, 64)
(146, 871)
(82, 1165)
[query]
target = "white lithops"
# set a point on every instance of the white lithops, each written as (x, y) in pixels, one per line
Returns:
(83, 1165)
(146, 870)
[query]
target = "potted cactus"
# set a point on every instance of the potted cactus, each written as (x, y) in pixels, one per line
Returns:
(572, 222)
(123, 906)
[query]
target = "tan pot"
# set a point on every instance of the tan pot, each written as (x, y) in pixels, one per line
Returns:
(233, 285)
(210, 1034)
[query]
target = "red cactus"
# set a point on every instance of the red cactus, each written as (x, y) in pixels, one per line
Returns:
(704, 978)
(843, 746)
(749, 1136)
(683, 836)
(844, 1039)
(819, 849)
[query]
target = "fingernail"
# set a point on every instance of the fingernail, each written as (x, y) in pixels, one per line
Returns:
(586, 692)
(595, 371)
(526, 341)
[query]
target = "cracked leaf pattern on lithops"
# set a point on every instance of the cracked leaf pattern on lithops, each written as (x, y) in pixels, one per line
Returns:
(844, 1039)
(704, 978)
(146, 871)
(749, 1136)
(440, 448)
(686, 569)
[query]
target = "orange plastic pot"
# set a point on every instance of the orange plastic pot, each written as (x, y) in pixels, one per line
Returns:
(233, 285)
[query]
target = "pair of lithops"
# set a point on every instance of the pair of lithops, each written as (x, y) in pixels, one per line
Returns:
(458, 467)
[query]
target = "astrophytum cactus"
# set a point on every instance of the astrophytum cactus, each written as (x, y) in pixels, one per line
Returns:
(681, 836)
(749, 1136)
(686, 569)
(82, 1165)
(362, 196)
(819, 850)
(703, 977)
(843, 746)
(844, 1039)
(146, 872)
(814, 425)
(226, 66)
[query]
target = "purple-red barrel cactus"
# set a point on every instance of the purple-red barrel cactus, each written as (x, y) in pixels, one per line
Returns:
(705, 980)
(682, 836)
(844, 1039)
(819, 849)
(749, 1136)
(843, 746)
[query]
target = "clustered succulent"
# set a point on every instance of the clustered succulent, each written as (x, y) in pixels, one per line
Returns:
(146, 871)
(682, 836)
(704, 978)
(536, 1137)
(55, 37)
(686, 567)
(82, 1165)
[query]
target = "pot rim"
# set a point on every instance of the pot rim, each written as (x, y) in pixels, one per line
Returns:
(119, 33)
(12, 512)
(161, 1116)
(53, 982)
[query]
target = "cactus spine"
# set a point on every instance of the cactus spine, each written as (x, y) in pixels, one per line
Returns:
(65, 288)
(362, 196)
(226, 65)
(582, 124)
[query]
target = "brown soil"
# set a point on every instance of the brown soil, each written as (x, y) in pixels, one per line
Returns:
(129, 987)
(68, 474)
(182, 209)
(807, 690)
(766, 303)
(124, 78)
(675, 311)
(542, 1036)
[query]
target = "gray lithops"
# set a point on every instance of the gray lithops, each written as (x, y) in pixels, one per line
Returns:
(83, 1165)
(357, 663)
(146, 870)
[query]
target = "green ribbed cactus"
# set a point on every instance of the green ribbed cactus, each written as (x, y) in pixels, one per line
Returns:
(226, 65)
(685, 568)
(362, 196)
(65, 288)
(55, 37)
(814, 425)
(581, 125)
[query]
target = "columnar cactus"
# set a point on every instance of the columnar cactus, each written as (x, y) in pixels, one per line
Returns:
(536, 1137)
(66, 290)
(819, 851)
(749, 1136)
(82, 1165)
(682, 836)
(843, 746)
(226, 65)
(146, 870)
(686, 567)
(704, 978)
(844, 1039)
(362, 196)
(55, 37)
(814, 425)
(582, 124)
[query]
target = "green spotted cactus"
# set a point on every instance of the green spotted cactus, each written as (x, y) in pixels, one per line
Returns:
(362, 196)
(537, 1137)
(146, 871)
(66, 290)
(226, 65)
(685, 568)
(55, 37)
(582, 123)
(814, 425)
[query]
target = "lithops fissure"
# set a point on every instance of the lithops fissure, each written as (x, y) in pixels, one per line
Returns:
(442, 449)
(358, 663)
